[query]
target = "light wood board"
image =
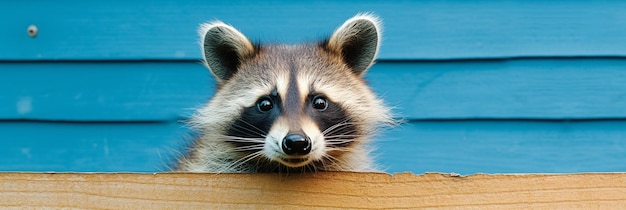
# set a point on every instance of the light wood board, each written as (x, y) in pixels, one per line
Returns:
(319, 190)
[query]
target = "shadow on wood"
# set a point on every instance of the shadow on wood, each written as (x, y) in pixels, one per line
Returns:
(319, 190)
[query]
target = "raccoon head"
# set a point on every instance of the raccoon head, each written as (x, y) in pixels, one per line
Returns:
(292, 107)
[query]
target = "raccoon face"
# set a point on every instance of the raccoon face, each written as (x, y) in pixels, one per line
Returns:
(293, 130)
(292, 106)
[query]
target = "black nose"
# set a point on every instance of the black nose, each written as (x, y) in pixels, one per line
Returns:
(296, 144)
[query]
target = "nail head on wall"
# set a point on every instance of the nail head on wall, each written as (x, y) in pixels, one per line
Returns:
(32, 31)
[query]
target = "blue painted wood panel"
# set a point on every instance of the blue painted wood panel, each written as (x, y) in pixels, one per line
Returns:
(102, 91)
(576, 88)
(89, 147)
(98, 30)
(468, 147)
(464, 147)
(505, 89)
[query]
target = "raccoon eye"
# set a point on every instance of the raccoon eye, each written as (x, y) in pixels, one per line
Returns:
(264, 104)
(319, 102)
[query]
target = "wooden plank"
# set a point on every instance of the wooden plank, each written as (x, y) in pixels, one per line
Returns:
(103, 91)
(312, 191)
(464, 147)
(577, 88)
(131, 30)
(90, 147)
(468, 147)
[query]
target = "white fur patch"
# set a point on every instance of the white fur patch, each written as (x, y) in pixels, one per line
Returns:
(282, 84)
(318, 147)
(273, 142)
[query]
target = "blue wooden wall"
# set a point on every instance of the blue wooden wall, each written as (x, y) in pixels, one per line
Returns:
(484, 86)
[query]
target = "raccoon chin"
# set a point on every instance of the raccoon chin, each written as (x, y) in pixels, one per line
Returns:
(294, 162)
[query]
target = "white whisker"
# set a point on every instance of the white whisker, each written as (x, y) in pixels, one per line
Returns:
(256, 131)
(243, 139)
(248, 148)
(335, 126)
(339, 149)
(243, 160)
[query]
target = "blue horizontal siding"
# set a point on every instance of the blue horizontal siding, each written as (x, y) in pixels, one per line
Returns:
(581, 88)
(135, 30)
(468, 147)
(464, 147)
(577, 88)
(89, 147)
(102, 91)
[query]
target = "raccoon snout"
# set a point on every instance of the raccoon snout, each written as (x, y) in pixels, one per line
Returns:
(296, 144)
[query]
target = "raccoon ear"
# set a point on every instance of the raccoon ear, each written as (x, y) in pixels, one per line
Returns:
(223, 49)
(357, 41)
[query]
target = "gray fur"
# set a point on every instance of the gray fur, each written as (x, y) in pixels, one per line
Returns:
(316, 68)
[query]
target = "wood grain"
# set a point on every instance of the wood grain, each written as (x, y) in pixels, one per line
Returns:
(320, 190)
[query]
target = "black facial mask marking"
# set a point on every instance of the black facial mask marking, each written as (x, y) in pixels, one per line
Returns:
(332, 119)
(255, 121)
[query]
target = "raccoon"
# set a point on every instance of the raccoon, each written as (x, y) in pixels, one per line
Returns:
(288, 108)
